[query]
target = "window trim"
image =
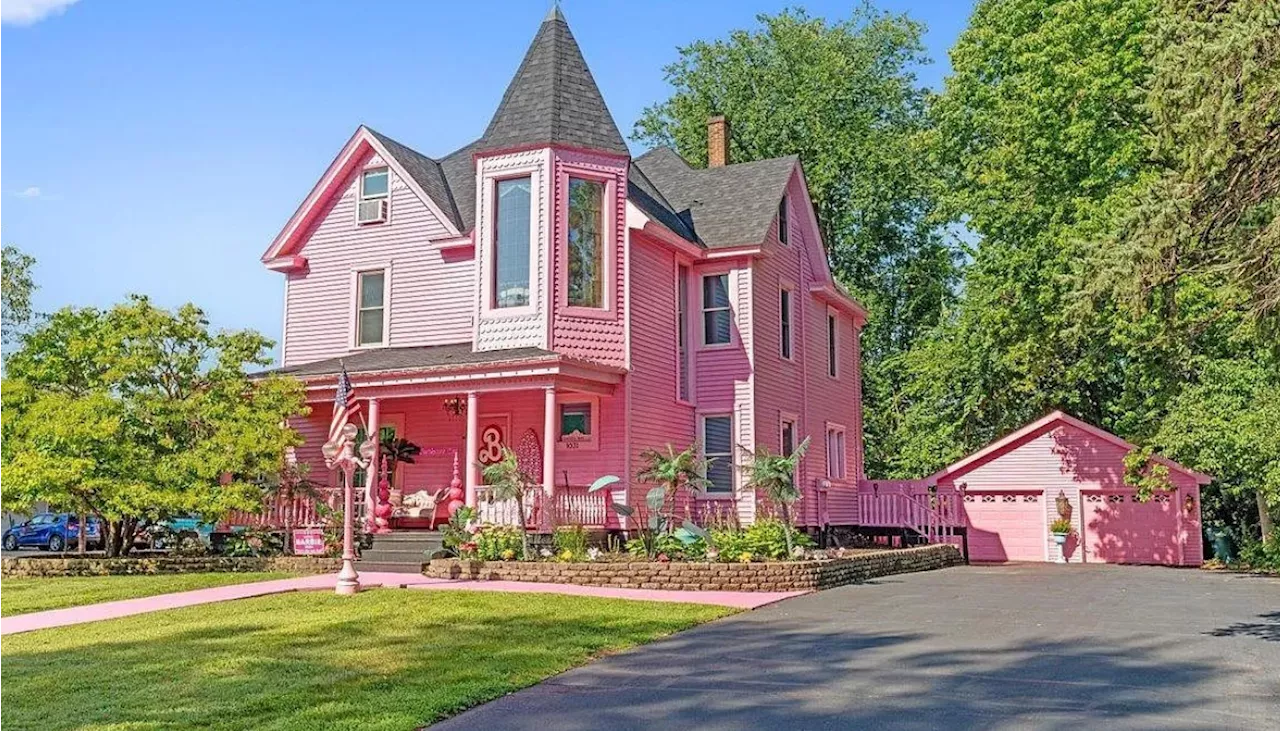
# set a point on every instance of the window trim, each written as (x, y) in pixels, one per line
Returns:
(684, 361)
(784, 222)
(841, 453)
(355, 308)
(490, 275)
(732, 492)
(702, 309)
(786, 323)
(833, 344)
(608, 226)
(591, 443)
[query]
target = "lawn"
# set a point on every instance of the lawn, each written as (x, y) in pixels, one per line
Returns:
(20, 596)
(384, 659)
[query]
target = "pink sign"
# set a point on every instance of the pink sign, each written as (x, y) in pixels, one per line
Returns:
(308, 542)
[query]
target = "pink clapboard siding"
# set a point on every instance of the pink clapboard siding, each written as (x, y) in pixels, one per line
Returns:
(800, 388)
(429, 288)
(657, 418)
(596, 335)
(1012, 490)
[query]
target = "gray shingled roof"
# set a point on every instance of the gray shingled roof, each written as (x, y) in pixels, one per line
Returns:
(427, 174)
(398, 359)
(553, 98)
(726, 206)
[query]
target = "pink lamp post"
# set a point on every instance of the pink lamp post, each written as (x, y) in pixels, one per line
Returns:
(340, 454)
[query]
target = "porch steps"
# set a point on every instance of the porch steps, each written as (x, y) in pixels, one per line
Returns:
(400, 551)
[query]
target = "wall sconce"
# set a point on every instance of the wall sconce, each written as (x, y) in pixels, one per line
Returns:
(1189, 504)
(455, 406)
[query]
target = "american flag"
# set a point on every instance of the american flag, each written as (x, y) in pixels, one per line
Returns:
(344, 405)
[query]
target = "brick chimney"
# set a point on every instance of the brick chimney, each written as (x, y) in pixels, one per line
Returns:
(717, 141)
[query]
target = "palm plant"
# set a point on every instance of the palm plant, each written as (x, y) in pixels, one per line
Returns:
(395, 451)
(509, 481)
(775, 476)
(671, 470)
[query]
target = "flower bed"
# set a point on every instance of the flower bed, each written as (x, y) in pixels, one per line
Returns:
(706, 576)
(90, 566)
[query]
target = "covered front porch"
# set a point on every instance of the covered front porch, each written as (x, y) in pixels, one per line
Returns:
(564, 419)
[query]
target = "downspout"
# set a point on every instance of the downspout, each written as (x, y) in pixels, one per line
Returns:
(803, 353)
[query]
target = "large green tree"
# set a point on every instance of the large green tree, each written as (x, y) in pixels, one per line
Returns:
(16, 286)
(138, 413)
(842, 95)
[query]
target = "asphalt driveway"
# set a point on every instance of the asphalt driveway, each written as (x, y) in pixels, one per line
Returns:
(1031, 646)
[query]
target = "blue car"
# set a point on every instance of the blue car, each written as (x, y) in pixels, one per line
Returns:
(54, 531)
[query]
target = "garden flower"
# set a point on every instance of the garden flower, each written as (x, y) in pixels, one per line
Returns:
(593, 553)
(744, 557)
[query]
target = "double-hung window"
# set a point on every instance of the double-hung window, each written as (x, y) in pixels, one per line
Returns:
(835, 452)
(784, 314)
(832, 348)
(586, 243)
(717, 319)
(682, 329)
(375, 186)
(511, 243)
(371, 307)
(717, 448)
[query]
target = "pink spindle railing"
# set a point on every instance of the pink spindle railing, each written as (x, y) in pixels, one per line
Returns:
(572, 505)
(300, 512)
(933, 516)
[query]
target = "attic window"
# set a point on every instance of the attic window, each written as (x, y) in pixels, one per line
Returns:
(374, 187)
(784, 232)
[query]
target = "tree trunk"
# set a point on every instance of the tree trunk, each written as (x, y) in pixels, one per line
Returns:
(1264, 516)
(786, 525)
(82, 540)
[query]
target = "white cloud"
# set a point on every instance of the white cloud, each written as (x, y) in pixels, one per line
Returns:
(30, 12)
(31, 191)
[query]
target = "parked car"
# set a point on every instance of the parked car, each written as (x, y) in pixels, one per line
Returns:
(52, 531)
(167, 534)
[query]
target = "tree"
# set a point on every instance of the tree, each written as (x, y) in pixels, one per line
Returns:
(16, 287)
(1039, 137)
(775, 476)
(138, 413)
(670, 471)
(1211, 205)
(509, 481)
(843, 97)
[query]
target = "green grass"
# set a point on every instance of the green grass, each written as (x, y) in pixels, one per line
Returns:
(20, 596)
(384, 659)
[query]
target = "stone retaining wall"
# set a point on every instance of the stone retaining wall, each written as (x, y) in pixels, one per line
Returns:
(675, 575)
(90, 566)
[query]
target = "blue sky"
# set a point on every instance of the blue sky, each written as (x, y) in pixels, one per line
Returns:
(158, 147)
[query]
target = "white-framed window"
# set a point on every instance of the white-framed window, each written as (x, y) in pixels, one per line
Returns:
(510, 271)
(682, 330)
(784, 316)
(784, 228)
(578, 418)
(371, 307)
(586, 237)
(787, 436)
(835, 452)
(832, 346)
(717, 318)
(717, 448)
(375, 192)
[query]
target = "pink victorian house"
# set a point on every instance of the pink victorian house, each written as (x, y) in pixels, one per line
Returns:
(541, 289)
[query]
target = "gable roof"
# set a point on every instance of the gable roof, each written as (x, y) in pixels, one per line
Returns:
(733, 205)
(1042, 425)
(553, 99)
(426, 172)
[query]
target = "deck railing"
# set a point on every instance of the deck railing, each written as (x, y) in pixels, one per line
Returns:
(572, 505)
(934, 516)
(303, 511)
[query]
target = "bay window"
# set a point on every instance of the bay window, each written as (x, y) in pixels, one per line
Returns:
(586, 243)
(717, 319)
(717, 448)
(511, 243)
(371, 307)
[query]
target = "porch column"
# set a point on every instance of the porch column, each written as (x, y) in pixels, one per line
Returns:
(549, 441)
(472, 448)
(372, 473)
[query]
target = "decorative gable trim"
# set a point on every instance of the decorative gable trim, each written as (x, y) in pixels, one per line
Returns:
(290, 239)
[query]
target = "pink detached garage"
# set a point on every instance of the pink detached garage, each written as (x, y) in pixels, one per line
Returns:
(1009, 492)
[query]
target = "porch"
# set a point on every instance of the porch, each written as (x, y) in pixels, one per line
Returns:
(564, 420)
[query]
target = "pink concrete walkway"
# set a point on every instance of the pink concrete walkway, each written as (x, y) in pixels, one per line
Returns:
(142, 605)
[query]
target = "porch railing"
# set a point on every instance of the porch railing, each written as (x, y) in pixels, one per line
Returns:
(933, 516)
(572, 505)
(303, 511)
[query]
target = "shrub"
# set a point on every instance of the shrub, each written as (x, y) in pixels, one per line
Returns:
(498, 542)
(1263, 555)
(1061, 525)
(456, 532)
(571, 541)
(254, 542)
(764, 539)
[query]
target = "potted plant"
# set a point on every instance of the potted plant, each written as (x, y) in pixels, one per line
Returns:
(1061, 528)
